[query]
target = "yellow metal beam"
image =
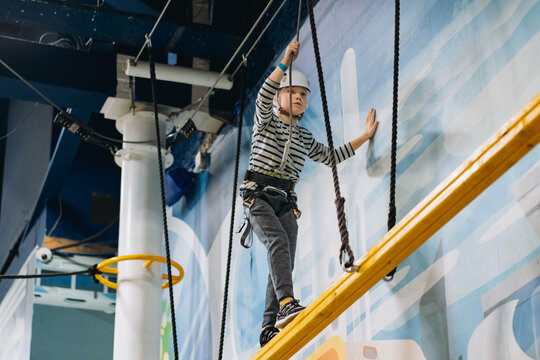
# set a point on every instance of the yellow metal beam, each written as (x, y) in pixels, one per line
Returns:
(502, 150)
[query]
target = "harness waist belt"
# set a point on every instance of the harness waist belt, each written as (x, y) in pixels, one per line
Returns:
(284, 184)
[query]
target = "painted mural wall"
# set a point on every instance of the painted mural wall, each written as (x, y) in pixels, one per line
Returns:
(473, 290)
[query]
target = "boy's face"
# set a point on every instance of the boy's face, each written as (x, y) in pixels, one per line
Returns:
(299, 99)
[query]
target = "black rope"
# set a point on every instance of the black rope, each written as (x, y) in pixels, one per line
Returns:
(163, 206)
(287, 145)
(231, 229)
(340, 201)
(91, 271)
(392, 202)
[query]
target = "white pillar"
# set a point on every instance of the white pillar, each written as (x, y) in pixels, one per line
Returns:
(138, 297)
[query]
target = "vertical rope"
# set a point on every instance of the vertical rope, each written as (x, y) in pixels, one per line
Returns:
(340, 201)
(163, 206)
(233, 210)
(289, 140)
(298, 20)
(392, 201)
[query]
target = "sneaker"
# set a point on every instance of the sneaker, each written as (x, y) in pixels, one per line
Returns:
(287, 313)
(267, 334)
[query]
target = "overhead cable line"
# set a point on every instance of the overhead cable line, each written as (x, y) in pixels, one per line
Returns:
(149, 36)
(31, 86)
(257, 40)
(211, 89)
(67, 120)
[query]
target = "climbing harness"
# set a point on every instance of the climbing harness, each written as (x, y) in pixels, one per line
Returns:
(346, 256)
(392, 202)
(265, 183)
(246, 239)
(162, 189)
(267, 180)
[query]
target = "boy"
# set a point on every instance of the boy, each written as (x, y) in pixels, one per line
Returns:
(278, 151)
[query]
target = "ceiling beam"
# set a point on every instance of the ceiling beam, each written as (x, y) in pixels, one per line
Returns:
(68, 77)
(109, 25)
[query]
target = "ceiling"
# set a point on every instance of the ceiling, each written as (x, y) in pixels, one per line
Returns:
(68, 50)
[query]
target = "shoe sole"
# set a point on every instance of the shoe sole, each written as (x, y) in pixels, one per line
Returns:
(262, 345)
(280, 324)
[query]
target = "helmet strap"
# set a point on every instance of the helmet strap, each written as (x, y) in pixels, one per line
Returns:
(296, 117)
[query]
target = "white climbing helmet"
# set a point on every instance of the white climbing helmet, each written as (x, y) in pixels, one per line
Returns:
(298, 79)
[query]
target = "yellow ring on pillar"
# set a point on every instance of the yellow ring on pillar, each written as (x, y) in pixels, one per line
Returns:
(104, 268)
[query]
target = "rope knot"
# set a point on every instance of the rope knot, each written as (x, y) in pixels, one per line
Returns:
(93, 270)
(340, 202)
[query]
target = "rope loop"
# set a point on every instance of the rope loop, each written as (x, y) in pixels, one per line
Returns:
(344, 233)
(348, 265)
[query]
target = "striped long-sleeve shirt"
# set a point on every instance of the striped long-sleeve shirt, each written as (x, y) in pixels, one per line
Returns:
(270, 134)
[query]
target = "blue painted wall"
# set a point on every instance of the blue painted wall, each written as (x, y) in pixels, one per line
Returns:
(471, 291)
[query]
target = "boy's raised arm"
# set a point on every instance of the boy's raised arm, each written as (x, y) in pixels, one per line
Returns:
(290, 55)
(263, 104)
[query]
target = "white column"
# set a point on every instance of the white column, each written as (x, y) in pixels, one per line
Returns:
(138, 297)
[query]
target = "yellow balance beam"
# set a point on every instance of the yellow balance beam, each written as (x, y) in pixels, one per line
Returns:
(502, 150)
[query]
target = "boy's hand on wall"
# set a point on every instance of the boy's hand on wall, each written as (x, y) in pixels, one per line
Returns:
(369, 131)
(371, 125)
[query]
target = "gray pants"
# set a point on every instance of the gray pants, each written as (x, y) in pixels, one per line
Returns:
(274, 223)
